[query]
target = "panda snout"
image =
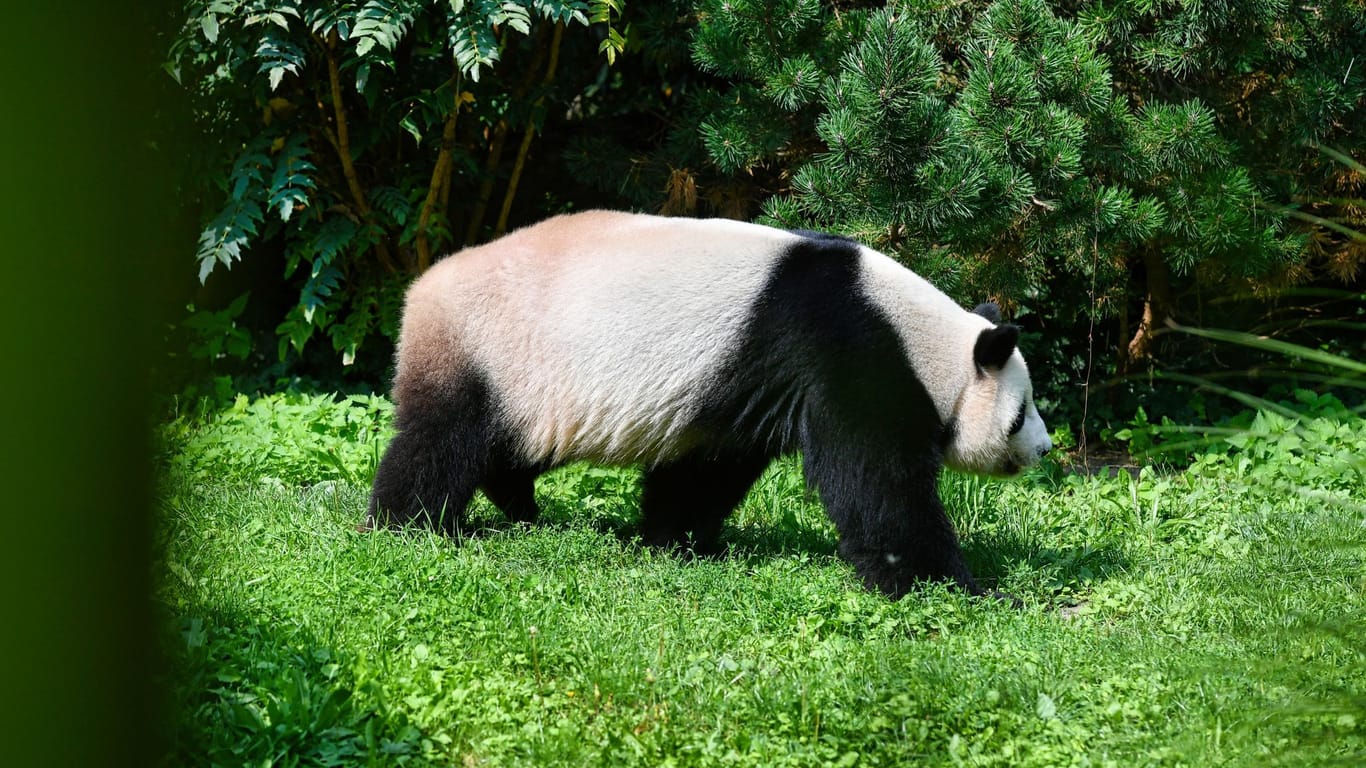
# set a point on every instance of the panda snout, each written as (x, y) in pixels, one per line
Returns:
(1027, 456)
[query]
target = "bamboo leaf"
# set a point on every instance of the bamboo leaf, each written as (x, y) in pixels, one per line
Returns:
(1344, 158)
(1274, 345)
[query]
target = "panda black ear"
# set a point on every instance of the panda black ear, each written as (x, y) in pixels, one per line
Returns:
(989, 310)
(995, 345)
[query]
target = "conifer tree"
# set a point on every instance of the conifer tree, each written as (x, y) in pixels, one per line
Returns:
(1039, 152)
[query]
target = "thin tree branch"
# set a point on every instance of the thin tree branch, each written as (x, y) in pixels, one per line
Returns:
(525, 148)
(343, 147)
(481, 203)
(441, 179)
(496, 143)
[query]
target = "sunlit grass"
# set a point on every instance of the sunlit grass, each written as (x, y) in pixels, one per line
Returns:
(1170, 618)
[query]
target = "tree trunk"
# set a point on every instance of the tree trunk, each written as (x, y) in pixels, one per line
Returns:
(1157, 308)
(497, 140)
(481, 202)
(342, 144)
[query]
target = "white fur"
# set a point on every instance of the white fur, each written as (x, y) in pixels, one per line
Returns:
(987, 407)
(600, 350)
(1032, 441)
(936, 333)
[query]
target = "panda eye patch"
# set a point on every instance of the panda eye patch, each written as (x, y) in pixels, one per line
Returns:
(1018, 423)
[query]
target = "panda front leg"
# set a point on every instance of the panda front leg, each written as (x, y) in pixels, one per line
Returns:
(512, 488)
(891, 524)
(683, 503)
(893, 559)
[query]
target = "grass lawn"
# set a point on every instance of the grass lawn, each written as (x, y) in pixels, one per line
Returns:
(1206, 616)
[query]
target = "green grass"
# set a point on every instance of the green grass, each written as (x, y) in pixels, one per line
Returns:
(1208, 616)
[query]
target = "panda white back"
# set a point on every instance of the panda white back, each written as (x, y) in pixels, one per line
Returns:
(599, 329)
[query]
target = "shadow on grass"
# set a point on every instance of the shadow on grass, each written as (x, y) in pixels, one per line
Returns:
(772, 524)
(245, 691)
(991, 557)
(767, 541)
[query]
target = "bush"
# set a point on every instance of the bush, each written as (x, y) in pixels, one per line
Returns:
(290, 439)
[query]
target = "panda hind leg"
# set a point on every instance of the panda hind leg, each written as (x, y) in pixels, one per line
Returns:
(424, 479)
(683, 503)
(439, 455)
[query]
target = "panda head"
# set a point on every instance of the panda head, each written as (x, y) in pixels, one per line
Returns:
(996, 428)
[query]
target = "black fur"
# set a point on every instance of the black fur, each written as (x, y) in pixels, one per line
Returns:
(820, 370)
(449, 441)
(870, 436)
(995, 346)
(989, 310)
(824, 237)
(1018, 423)
(683, 503)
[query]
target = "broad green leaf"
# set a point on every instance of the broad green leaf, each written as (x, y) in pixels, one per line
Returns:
(362, 76)
(410, 125)
(209, 23)
(1045, 708)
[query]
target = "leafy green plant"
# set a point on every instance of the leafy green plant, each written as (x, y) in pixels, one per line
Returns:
(215, 334)
(286, 438)
(341, 132)
(1311, 448)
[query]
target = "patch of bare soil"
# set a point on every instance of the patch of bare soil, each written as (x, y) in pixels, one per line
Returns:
(1097, 460)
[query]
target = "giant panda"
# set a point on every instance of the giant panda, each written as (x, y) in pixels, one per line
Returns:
(701, 350)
